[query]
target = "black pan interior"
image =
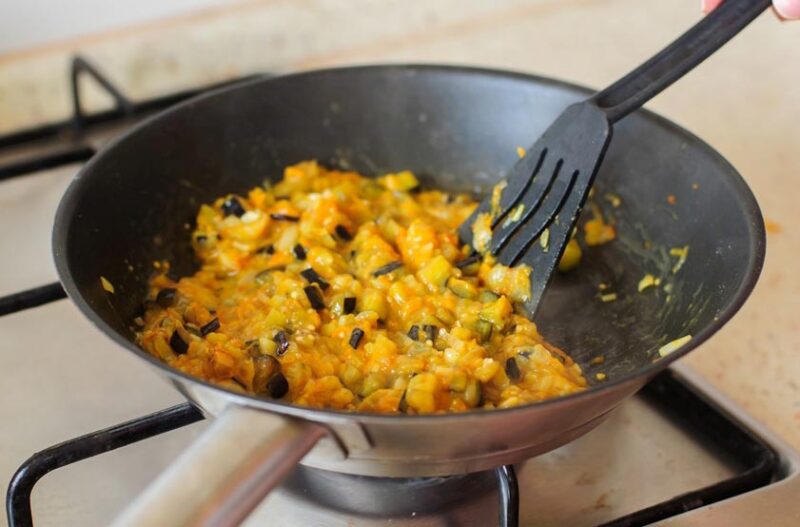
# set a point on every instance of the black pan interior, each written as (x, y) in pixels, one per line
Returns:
(458, 128)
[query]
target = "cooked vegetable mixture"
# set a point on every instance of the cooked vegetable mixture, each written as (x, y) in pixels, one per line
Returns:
(333, 290)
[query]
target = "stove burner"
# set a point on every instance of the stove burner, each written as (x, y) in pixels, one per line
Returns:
(389, 497)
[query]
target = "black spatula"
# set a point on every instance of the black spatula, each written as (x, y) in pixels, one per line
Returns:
(545, 191)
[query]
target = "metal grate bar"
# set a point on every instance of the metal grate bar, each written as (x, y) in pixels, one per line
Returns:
(759, 460)
(31, 298)
(46, 161)
(67, 128)
(80, 66)
(18, 497)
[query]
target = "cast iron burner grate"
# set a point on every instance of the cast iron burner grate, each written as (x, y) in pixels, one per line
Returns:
(758, 461)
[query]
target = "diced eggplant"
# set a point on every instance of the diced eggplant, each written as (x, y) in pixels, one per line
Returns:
(299, 252)
(468, 261)
(355, 337)
(430, 331)
(211, 327)
(349, 305)
(314, 278)
(194, 330)
(177, 343)
(413, 332)
(278, 216)
(512, 369)
(232, 206)
(166, 297)
(343, 233)
(314, 296)
(264, 367)
(278, 386)
(253, 348)
(386, 269)
(267, 249)
(470, 265)
(282, 341)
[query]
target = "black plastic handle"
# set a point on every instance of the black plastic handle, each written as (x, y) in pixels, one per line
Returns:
(674, 61)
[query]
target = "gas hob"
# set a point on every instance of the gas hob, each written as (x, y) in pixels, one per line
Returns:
(679, 453)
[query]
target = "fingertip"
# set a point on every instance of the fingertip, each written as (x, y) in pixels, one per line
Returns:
(787, 9)
(709, 5)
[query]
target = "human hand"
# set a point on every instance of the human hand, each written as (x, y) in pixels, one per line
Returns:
(786, 9)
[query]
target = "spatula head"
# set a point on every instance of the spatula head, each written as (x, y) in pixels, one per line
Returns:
(541, 199)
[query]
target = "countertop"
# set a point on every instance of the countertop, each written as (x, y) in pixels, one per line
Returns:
(744, 101)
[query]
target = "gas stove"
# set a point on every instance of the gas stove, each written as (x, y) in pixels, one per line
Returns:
(679, 453)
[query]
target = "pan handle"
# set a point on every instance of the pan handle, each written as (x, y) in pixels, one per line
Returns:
(671, 63)
(226, 473)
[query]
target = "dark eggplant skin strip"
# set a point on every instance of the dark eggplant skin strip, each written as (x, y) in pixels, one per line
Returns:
(282, 341)
(277, 216)
(314, 297)
(278, 386)
(211, 327)
(314, 278)
(512, 369)
(177, 343)
(343, 233)
(386, 269)
(349, 305)
(166, 297)
(355, 337)
(469, 260)
(430, 331)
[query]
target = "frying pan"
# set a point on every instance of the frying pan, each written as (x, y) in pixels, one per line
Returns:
(458, 129)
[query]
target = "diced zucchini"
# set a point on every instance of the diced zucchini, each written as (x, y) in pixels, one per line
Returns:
(373, 381)
(472, 394)
(436, 272)
(446, 316)
(276, 318)
(401, 181)
(487, 296)
(267, 346)
(390, 229)
(374, 300)
(421, 392)
(462, 288)
(484, 330)
(497, 312)
(487, 370)
(459, 381)
(571, 257)
(351, 376)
